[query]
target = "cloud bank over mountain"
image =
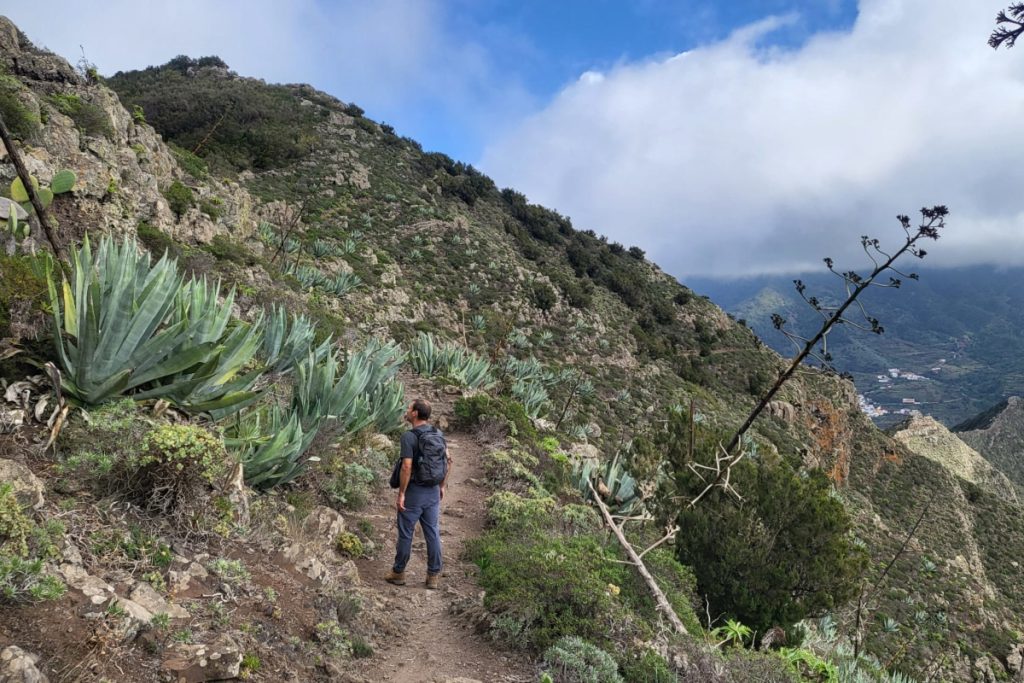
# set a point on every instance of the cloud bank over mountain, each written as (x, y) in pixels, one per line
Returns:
(734, 158)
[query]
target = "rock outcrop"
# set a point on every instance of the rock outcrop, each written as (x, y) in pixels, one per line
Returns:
(122, 164)
(926, 436)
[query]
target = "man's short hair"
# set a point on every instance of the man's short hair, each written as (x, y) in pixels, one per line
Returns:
(422, 408)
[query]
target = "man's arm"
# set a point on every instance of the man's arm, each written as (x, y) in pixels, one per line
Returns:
(407, 447)
(447, 473)
(404, 475)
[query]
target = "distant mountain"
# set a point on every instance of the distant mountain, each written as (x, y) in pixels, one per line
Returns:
(953, 343)
(998, 434)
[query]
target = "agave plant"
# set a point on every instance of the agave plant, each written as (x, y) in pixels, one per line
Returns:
(343, 283)
(732, 632)
(426, 356)
(517, 339)
(533, 396)
(285, 345)
(347, 246)
(348, 398)
(468, 369)
(622, 495)
(526, 370)
(110, 333)
(433, 359)
(308, 276)
(217, 385)
(267, 232)
(321, 248)
(270, 444)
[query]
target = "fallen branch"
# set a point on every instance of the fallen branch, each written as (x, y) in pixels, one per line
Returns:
(660, 601)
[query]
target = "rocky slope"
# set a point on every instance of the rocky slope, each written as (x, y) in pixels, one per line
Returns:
(439, 249)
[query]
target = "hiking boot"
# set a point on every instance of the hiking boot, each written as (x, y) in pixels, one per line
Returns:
(397, 578)
(432, 581)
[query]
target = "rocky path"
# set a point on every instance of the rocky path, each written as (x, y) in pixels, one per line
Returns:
(435, 646)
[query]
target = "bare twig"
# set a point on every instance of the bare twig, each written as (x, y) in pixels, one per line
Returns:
(1008, 27)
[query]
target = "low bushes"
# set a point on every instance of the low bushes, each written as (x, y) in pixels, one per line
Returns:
(24, 548)
(175, 467)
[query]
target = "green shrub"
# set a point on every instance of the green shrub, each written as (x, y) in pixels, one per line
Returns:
(24, 579)
(543, 587)
(785, 555)
(179, 198)
(574, 660)
(15, 526)
(226, 249)
(213, 207)
(543, 296)
(157, 242)
(23, 294)
(511, 470)
(174, 468)
(233, 123)
(472, 411)
(24, 546)
(90, 118)
(231, 571)
(189, 162)
(350, 485)
(647, 666)
(348, 544)
(514, 513)
(20, 120)
(678, 583)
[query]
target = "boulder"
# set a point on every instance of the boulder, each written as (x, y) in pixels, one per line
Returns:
(136, 617)
(181, 580)
(7, 205)
(18, 666)
(146, 596)
(216, 661)
(322, 526)
(27, 487)
(1015, 662)
(96, 589)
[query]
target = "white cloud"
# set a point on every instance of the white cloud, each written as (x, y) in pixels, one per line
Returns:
(733, 159)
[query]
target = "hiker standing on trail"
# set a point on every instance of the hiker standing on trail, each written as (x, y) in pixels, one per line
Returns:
(420, 475)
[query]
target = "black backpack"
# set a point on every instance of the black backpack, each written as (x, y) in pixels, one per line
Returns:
(430, 461)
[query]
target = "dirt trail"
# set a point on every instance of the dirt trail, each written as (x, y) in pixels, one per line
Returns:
(435, 645)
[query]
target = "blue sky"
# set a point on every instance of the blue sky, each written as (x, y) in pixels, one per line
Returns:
(724, 138)
(542, 46)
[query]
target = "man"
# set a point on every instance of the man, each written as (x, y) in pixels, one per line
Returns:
(417, 501)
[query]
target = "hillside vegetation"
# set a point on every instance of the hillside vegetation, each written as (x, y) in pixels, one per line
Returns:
(233, 383)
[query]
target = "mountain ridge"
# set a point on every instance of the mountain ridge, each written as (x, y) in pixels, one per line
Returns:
(427, 230)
